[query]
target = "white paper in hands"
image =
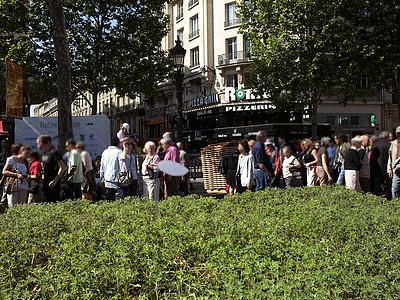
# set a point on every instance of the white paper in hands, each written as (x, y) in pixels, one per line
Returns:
(172, 168)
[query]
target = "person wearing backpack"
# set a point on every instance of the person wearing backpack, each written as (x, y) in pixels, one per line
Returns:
(17, 170)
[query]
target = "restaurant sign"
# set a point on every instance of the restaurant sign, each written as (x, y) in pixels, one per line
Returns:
(203, 101)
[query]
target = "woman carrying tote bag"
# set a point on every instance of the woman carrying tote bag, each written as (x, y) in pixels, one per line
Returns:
(127, 161)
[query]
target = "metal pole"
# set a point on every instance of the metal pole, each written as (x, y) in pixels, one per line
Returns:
(179, 118)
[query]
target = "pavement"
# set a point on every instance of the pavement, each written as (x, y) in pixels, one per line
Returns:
(197, 187)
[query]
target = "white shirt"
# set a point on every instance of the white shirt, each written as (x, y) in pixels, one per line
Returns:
(246, 169)
(21, 169)
(291, 160)
(87, 161)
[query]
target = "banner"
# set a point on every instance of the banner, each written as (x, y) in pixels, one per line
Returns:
(92, 131)
(14, 91)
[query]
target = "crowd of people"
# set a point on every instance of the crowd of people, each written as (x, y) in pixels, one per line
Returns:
(30, 176)
(363, 163)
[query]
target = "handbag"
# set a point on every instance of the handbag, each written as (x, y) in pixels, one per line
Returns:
(150, 170)
(125, 178)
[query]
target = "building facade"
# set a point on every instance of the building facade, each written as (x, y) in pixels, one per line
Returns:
(119, 109)
(216, 105)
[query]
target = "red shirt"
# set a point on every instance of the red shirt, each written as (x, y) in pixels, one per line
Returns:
(35, 169)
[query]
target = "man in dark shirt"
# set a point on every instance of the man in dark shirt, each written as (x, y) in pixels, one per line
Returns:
(262, 163)
(53, 166)
(378, 165)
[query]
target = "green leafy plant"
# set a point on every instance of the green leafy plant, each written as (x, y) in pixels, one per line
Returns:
(322, 243)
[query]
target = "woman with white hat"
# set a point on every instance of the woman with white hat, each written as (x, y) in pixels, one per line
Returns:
(124, 129)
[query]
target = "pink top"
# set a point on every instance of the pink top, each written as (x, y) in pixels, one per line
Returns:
(150, 161)
(172, 154)
(121, 137)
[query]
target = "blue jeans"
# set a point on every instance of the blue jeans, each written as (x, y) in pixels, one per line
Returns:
(261, 180)
(396, 185)
(341, 177)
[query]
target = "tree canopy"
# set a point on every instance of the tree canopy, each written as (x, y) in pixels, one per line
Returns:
(304, 50)
(112, 44)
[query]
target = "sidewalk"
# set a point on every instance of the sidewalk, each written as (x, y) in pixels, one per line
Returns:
(198, 186)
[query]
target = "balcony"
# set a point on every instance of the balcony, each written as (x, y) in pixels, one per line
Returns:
(233, 22)
(192, 3)
(194, 34)
(233, 58)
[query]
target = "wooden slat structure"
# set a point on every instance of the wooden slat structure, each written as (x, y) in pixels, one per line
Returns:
(210, 157)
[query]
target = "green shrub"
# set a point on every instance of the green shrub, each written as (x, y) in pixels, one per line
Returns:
(303, 243)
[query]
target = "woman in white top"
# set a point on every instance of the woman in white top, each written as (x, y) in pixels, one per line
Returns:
(245, 168)
(17, 167)
(290, 163)
(127, 161)
(150, 179)
(89, 182)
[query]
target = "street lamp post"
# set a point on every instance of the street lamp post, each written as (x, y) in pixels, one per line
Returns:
(178, 55)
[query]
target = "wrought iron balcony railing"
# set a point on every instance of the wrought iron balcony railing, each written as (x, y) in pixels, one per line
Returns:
(233, 22)
(192, 3)
(233, 58)
(194, 34)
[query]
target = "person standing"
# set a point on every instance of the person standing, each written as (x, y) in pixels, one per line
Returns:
(323, 171)
(75, 172)
(53, 166)
(279, 159)
(352, 165)
(365, 172)
(121, 134)
(89, 182)
(290, 165)
(310, 160)
(171, 153)
(245, 168)
(184, 159)
(342, 147)
(393, 165)
(378, 165)
(18, 168)
(109, 169)
(262, 162)
(150, 172)
(36, 172)
(127, 161)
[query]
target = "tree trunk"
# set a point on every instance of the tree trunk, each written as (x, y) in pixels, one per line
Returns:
(63, 72)
(314, 123)
(94, 103)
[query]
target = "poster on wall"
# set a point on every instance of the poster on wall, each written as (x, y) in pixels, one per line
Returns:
(92, 131)
(14, 91)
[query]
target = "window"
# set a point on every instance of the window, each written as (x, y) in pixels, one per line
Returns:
(179, 35)
(363, 84)
(230, 15)
(231, 48)
(331, 120)
(194, 57)
(179, 11)
(194, 27)
(232, 81)
(355, 120)
(192, 3)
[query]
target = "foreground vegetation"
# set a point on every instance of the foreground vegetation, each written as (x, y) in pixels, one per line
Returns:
(322, 243)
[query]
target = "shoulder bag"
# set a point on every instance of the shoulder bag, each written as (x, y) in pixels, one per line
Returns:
(124, 179)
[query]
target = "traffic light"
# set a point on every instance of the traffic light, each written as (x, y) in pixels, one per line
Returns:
(343, 120)
(372, 120)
